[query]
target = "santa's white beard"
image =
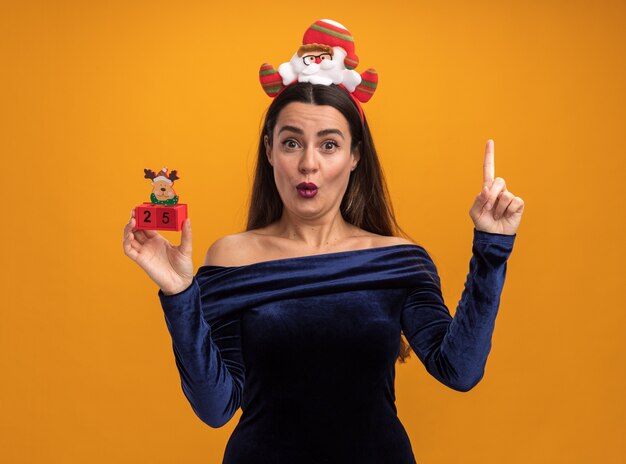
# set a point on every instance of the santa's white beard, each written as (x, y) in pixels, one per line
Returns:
(326, 65)
(326, 72)
(310, 69)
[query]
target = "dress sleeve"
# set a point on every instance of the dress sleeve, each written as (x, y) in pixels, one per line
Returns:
(454, 350)
(208, 356)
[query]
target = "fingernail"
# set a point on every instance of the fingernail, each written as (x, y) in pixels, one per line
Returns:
(488, 206)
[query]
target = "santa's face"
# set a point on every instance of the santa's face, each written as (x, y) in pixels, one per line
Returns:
(318, 61)
(313, 59)
(311, 144)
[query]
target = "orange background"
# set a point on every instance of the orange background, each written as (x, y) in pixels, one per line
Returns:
(93, 92)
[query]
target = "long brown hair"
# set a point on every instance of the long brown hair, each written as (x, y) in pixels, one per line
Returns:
(366, 203)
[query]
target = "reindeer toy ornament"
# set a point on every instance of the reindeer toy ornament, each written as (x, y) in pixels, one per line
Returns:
(162, 187)
(163, 212)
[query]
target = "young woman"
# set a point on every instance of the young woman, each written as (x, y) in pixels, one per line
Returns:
(298, 319)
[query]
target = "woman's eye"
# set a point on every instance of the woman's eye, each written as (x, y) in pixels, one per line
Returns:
(291, 144)
(330, 145)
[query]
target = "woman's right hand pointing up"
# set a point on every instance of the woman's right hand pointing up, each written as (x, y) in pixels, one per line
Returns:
(495, 209)
(170, 267)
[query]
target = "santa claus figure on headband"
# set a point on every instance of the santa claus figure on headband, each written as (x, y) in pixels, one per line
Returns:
(319, 64)
(326, 57)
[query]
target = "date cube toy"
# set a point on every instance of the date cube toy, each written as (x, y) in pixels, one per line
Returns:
(163, 212)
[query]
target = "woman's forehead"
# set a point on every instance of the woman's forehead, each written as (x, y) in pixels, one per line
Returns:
(311, 117)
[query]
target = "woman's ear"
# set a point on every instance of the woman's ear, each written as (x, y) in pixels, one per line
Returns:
(268, 149)
(356, 156)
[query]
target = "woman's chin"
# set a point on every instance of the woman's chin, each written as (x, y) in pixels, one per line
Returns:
(306, 211)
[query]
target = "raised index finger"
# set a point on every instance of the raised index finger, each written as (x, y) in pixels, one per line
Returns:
(488, 165)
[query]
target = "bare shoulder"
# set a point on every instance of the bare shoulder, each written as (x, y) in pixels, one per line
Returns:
(382, 241)
(230, 250)
(375, 240)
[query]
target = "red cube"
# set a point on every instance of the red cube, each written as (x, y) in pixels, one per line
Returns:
(160, 217)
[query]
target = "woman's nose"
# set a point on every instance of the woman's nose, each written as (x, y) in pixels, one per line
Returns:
(308, 161)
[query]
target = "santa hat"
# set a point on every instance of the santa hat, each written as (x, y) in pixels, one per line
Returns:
(162, 175)
(329, 32)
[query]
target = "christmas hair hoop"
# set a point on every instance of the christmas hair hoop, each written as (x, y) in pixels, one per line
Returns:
(325, 57)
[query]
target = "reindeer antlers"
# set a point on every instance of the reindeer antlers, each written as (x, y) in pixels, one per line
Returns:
(150, 174)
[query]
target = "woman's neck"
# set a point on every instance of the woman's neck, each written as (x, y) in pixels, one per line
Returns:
(315, 234)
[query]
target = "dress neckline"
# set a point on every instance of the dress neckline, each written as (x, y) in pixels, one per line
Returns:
(317, 255)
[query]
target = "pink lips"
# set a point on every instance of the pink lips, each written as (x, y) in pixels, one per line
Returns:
(307, 189)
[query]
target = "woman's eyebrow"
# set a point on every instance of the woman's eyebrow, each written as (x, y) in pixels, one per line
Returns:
(330, 131)
(291, 129)
(321, 133)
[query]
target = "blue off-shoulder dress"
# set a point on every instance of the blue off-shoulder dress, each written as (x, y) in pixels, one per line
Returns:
(307, 347)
